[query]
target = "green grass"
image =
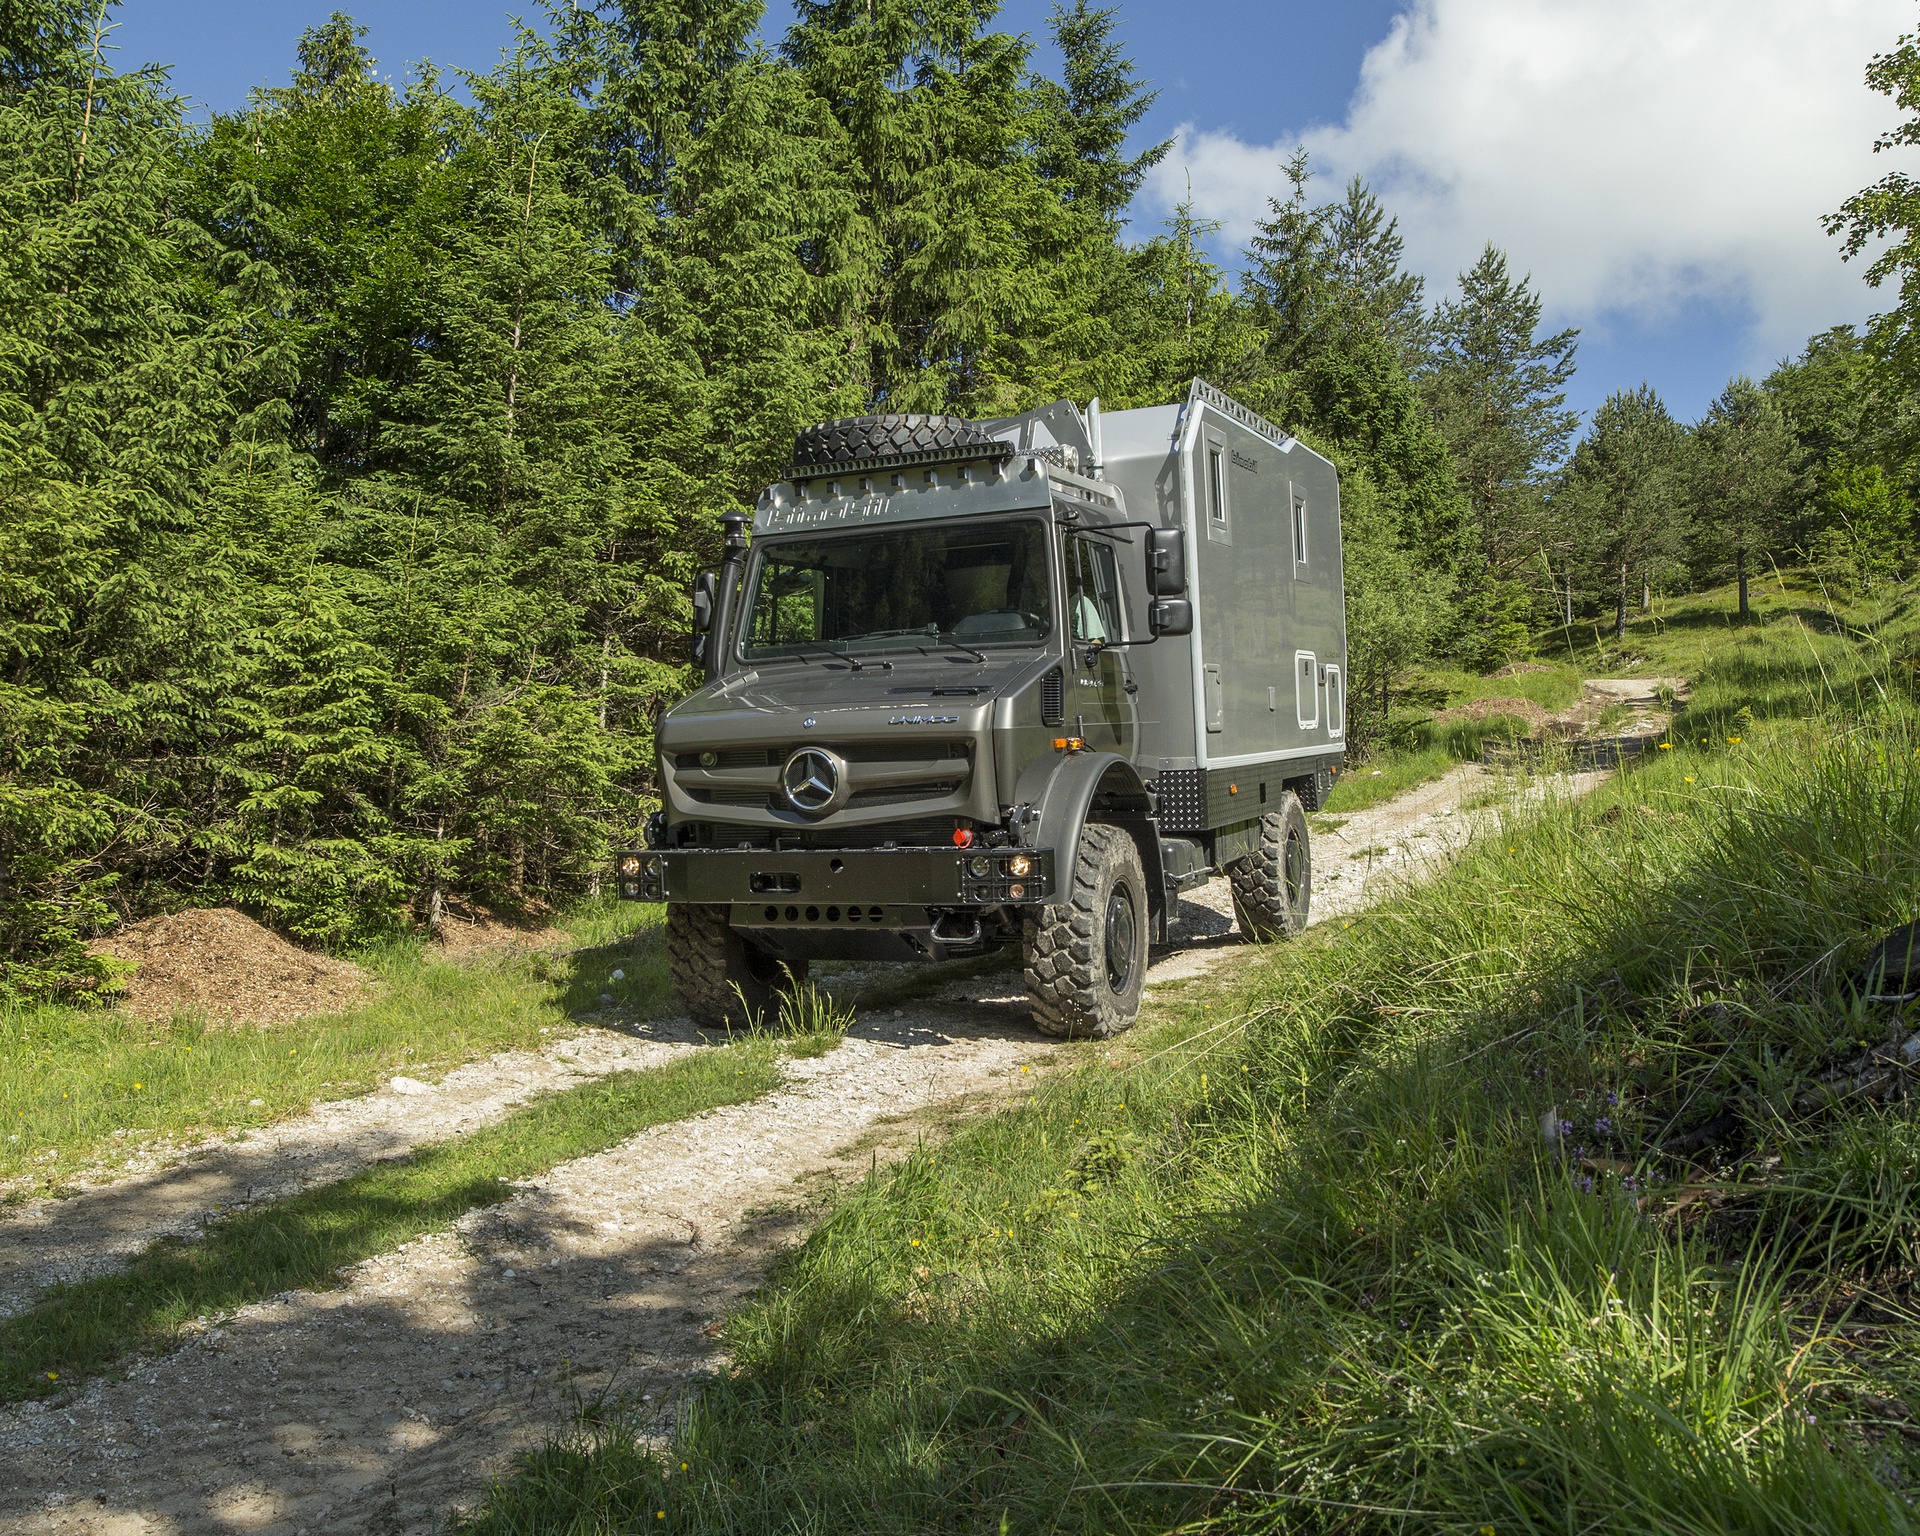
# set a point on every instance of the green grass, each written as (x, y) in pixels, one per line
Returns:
(1386, 774)
(1308, 1262)
(79, 1087)
(305, 1241)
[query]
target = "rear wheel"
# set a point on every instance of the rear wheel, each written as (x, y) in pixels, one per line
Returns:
(1086, 956)
(723, 981)
(1273, 886)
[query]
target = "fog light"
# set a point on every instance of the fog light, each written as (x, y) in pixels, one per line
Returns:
(1017, 891)
(709, 759)
(630, 889)
(1020, 864)
(629, 863)
(980, 864)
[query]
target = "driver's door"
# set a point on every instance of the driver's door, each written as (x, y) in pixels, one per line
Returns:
(1099, 695)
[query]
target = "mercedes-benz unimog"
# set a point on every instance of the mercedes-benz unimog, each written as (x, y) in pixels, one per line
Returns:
(999, 683)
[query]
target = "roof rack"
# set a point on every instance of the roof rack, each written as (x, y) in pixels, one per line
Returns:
(966, 453)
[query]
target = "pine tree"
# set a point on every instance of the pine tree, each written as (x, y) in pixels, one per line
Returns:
(1626, 491)
(1498, 390)
(1082, 121)
(117, 355)
(1743, 473)
(933, 258)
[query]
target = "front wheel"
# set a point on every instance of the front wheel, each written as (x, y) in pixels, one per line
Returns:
(1273, 886)
(723, 981)
(1086, 956)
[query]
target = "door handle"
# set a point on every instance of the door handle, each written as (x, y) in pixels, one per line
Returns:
(1131, 686)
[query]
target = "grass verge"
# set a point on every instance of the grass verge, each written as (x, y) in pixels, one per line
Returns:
(305, 1241)
(1498, 1207)
(1385, 775)
(80, 1087)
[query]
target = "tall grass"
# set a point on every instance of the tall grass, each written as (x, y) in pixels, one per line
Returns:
(1492, 1208)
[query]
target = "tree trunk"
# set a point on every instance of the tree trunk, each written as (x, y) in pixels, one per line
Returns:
(1620, 609)
(1740, 570)
(1646, 591)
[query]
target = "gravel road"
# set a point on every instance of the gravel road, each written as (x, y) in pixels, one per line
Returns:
(378, 1406)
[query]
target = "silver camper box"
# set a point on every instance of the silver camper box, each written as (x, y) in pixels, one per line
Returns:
(1254, 700)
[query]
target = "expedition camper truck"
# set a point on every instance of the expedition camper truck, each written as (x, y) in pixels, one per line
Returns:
(1016, 682)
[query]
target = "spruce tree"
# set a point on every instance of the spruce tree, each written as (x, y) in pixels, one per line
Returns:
(1743, 478)
(1082, 120)
(1625, 501)
(1498, 391)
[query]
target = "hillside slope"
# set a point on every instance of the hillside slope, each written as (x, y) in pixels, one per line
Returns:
(1516, 1204)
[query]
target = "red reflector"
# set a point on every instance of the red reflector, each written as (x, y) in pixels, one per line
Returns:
(962, 837)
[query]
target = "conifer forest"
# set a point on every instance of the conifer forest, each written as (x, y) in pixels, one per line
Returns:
(358, 449)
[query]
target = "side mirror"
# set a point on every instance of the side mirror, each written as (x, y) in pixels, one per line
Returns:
(1167, 563)
(1170, 616)
(705, 592)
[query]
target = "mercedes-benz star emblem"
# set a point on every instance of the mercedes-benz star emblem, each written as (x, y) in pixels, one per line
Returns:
(813, 779)
(807, 724)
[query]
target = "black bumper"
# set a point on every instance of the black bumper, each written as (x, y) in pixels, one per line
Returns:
(813, 882)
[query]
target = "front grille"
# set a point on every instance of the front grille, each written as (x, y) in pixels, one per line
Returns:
(904, 769)
(903, 795)
(746, 796)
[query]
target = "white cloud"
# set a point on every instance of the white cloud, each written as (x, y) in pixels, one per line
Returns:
(1630, 154)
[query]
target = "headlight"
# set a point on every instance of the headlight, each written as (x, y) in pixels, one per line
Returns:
(1020, 864)
(629, 863)
(980, 865)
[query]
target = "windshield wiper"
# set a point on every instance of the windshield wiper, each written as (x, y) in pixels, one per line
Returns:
(961, 646)
(924, 632)
(854, 662)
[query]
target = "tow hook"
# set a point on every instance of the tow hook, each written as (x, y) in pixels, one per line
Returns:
(970, 936)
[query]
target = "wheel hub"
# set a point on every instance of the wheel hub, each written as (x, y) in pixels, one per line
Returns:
(1120, 938)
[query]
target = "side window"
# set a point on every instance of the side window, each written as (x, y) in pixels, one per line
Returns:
(1299, 535)
(1215, 470)
(1093, 590)
(790, 602)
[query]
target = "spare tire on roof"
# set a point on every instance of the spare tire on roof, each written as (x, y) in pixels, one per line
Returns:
(875, 437)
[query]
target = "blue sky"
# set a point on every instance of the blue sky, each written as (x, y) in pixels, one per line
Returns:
(1660, 168)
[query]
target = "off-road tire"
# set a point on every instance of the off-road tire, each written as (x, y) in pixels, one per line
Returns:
(723, 981)
(1273, 888)
(1076, 993)
(872, 437)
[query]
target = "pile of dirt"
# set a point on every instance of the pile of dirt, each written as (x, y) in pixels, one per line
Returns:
(222, 963)
(1488, 709)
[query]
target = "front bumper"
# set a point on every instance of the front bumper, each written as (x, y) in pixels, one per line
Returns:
(806, 885)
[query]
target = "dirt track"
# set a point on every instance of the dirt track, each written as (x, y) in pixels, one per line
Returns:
(378, 1406)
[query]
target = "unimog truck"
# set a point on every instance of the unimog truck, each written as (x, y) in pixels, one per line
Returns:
(1003, 683)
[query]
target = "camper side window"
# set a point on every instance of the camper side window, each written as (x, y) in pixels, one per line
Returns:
(1216, 484)
(1299, 534)
(1093, 591)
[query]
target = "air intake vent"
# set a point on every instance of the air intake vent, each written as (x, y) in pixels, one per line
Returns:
(1053, 698)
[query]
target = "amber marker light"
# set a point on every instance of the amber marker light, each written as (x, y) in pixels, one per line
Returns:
(1069, 744)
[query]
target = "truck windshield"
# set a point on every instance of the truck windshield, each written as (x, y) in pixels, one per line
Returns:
(981, 584)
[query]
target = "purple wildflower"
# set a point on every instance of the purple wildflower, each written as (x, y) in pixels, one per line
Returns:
(1566, 1128)
(1603, 1126)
